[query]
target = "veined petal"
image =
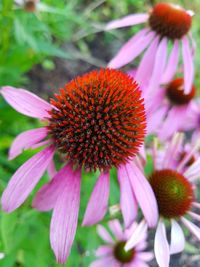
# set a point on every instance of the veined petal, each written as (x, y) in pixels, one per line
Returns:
(131, 49)
(26, 103)
(98, 203)
(172, 64)
(192, 227)
(188, 65)
(25, 179)
(129, 20)
(177, 238)
(26, 140)
(51, 169)
(46, 197)
(128, 202)
(65, 217)
(141, 188)
(161, 246)
(103, 233)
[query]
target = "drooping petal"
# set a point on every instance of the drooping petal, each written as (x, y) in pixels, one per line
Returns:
(129, 20)
(161, 246)
(159, 66)
(141, 188)
(25, 179)
(145, 256)
(107, 261)
(98, 203)
(26, 140)
(51, 169)
(103, 233)
(65, 217)
(193, 172)
(128, 202)
(177, 238)
(172, 64)
(137, 263)
(26, 103)
(194, 215)
(195, 230)
(46, 197)
(131, 49)
(104, 250)
(196, 205)
(154, 119)
(188, 65)
(116, 228)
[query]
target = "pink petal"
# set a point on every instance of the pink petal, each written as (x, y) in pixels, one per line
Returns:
(194, 215)
(161, 246)
(98, 203)
(141, 188)
(145, 256)
(192, 173)
(25, 179)
(172, 64)
(129, 20)
(116, 229)
(128, 202)
(65, 217)
(144, 70)
(104, 250)
(26, 140)
(26, 103)
(155, 119)
(133, 48)
(192, 227)
(107, 261)
(103, 233)
(46, 197)
(51, 169)
(196, 205)
(138, 263)
(177, 238)
(159, 66)
(188, 66)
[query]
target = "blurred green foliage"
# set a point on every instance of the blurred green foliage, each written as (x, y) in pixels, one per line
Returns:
(30, 38)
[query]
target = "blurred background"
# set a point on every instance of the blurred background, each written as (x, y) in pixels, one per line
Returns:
(42, 47)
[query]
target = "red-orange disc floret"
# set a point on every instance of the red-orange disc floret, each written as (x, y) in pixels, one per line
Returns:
(169, 20)
(174, 193)
(175, 92)
(99, 119)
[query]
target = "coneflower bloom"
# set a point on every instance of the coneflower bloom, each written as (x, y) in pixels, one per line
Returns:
(174, 188)
(167, 109)
(167, 25)
(96, 122)
(113, 252)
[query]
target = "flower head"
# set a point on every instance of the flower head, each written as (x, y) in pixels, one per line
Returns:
(166, 23)
(114, 252)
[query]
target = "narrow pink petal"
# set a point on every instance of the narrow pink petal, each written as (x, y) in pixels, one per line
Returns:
(128, 202)
(103, 233)
(193, 172)
(172, 64)
(116, 229)
(192, 227)
(161, 246)
(145, 67)
(188, 65)
(138, 234)
(127, 21)
(159, 66)
(145, 256)
(51, 169)
(138, 263)
(104, 250)
(46, 197)
(194, 215)
(26, 103)
(155, 119)
(65, 217)
(141, 188)
(98, 203)
(196, 205)
(26, 140)
(133, 48)
(107, 261)
(25, 179)
(177, 238)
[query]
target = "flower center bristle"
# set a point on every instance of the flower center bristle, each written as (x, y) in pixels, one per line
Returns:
(173, 192)
(121, 254)
(175, 92)
(169, 20)
(99, 119)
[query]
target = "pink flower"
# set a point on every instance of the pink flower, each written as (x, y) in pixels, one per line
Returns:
(174, 188)
(96, 122)
(167, 24)
(114, 253)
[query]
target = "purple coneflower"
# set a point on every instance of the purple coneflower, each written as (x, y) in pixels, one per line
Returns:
(114, 254)
(96, 122)
(166, 24)
(174, 188)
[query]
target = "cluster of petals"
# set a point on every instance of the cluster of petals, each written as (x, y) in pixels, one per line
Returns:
(106, 253)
